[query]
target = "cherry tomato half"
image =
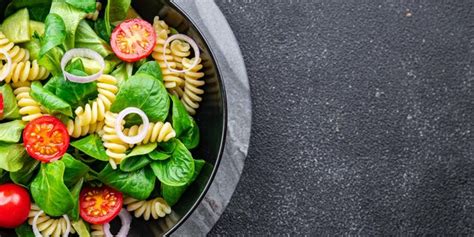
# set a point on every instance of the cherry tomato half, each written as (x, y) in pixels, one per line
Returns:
(15, 205)
(133, 40)
(46, 138)
(1, 105)
(99, 205)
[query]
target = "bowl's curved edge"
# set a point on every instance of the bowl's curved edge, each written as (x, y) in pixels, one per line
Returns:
(211, 23)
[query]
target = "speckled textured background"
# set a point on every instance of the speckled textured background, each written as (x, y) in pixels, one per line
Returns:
(362, 117)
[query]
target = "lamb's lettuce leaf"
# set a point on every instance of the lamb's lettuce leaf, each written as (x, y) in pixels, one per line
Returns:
(12, 157)
(137, 184)
(71, 17)
(85, 5)
(92, 146)
(87, 38)
(172, 194)
(55, 33)
(25, 174)
(49, 191)
(178, 169)
(10, 106)
(146, 93)
(74, 169)
(116, 10)
(75, 191)
(49, 100)
(37, 9)
(11, 131)
(151, 68)
(134, 163)
(184, 125)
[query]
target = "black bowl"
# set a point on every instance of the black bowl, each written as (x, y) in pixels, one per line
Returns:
(211, 118)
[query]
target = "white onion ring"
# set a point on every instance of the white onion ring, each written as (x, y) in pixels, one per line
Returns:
(125, 219)
(86, 53)
(189, 41)
(141, 134)
(38, 233)
(8, 65)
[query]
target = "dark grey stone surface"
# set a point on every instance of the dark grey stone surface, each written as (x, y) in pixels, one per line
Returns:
(362, 117)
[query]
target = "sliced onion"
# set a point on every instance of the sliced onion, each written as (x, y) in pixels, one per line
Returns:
(189, 41)
(86, 53)
(8, 65)
(38, 233)
(125, 219)
(141, 134)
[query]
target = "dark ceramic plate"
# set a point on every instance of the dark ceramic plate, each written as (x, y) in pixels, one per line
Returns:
(211, 118)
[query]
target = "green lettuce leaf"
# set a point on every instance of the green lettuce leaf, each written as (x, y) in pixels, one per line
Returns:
(71, 17)
(184, 125)
(172, 194)
(137, 184)
(55, 33)
(49, 191)
(10, 105)
(146, 93)
(25, 174)
(11, 131)
(74, 169)
(116, 10)
(49, 100)
(12, 157)
(87, 38)
(92, 146)
(178, 169)
(85, 5)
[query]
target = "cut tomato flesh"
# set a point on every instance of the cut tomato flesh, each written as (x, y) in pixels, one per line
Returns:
(1, 105)
(100, 205)
(133, 40)
(46, 138)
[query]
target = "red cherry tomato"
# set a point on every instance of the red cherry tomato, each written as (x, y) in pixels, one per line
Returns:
(1, 105)
(15, 205)
(133, 40)
(46, 138)
(99, 205)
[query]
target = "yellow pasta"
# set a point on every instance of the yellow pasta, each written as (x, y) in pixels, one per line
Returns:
(48, 226)
(115, 147)
(192, 92)
(179, 50)
(94, 15)
(16, 53)
(29, 108)
(25, 71)
(94, 112)
(154, 208)
(75, 129)
(170, 79)
(157, 132)
(97, 231)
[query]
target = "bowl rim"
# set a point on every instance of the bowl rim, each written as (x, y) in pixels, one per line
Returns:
(224, 113)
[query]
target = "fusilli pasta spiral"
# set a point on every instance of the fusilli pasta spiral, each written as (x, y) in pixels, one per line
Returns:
(179, 50)
(171, 79)
(192, 92)
(94, 15)
(94, 112)
(97, 231)
(157, 132)
(75, 129)
(154, 208)
(25, 71)
(115, 147)
(29, 108)
(47, 225)
(16, 53)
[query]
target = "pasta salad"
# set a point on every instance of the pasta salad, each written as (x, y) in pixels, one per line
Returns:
(96, 116)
